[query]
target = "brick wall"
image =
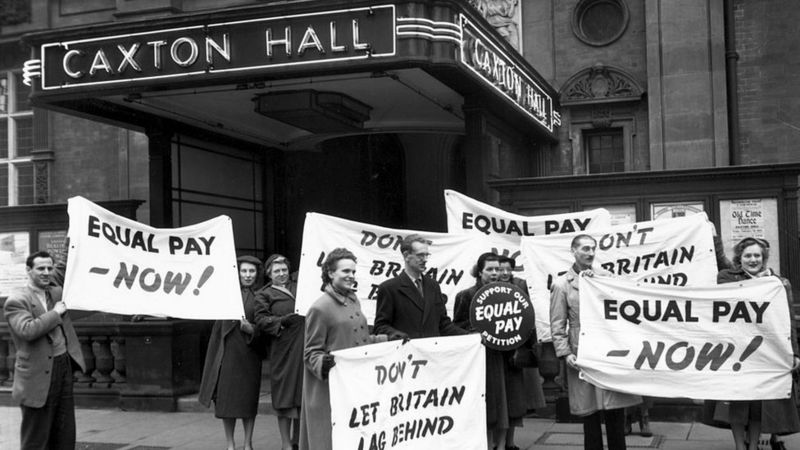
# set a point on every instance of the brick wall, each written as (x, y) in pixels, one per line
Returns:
(768, 43)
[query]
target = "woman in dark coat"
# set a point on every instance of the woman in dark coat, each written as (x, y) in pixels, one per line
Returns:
(505, 400)
(751, 418)
(232, 371)
(275, 317)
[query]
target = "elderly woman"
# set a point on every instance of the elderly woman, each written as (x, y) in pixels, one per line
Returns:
(333, 322)
(505, 400)
(748, 419)
(275, 317)
(232, 372)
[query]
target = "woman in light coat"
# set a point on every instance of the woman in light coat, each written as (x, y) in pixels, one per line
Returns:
(333, 322)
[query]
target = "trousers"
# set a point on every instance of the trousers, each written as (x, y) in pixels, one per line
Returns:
(615, 429)
(52, 427)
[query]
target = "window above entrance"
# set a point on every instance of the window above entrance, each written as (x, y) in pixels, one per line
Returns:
(16, 141)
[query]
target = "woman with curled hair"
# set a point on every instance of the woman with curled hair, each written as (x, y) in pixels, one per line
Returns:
(333, 322)
(232, 370)
(276, 318)
(748, 419)
(505, 403)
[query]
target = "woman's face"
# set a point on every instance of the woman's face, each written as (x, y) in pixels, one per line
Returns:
(753, 259)
(279, 274)
(505, 272)
(247, 274)
(490, 271)
(344, 276)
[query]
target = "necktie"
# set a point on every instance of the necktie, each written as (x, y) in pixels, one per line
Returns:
(418, 283)
(48, 299)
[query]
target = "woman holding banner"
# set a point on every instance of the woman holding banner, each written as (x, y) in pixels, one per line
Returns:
(505, 402)
(275, 317)
(333, 322)
(232, 371)
(748, 419)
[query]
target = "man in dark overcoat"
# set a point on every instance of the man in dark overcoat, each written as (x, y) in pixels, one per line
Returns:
(411, 305)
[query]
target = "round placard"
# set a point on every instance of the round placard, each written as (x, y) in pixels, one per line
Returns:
(503, 315)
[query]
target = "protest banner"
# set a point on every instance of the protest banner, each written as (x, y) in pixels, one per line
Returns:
(722, 342)
(378, 252)
(502, 314)
(676, 251)
(426, 393)
(121, 266)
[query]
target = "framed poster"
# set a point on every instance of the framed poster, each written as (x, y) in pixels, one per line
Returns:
(621, 214)
(670, 210)
(55, 243)
(755, 217)
(14, 248)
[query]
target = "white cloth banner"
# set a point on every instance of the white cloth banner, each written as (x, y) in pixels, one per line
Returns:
(425, 394)
(675, 251)
(724, 342)
(378, 252)
(121, 266)
(467, 215)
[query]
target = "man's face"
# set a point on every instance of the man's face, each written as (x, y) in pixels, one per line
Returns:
(417, 258)
(41, 274)
(584, 252)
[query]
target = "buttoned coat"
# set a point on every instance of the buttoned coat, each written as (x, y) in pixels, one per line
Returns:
(400, 307)
(30, 323)
(565, 327)
(333, 322)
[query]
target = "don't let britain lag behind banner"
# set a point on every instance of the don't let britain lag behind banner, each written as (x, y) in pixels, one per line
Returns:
(676, 252)
(426, 393)
(121, 266)
(379, 259)
(723, 342)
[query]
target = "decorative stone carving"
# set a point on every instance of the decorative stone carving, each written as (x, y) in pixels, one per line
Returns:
(41, 182)
(504, 16)
(600, 84)
(601, 118)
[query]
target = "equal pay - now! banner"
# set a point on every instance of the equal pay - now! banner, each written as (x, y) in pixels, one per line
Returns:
(427, 393)
(121, 266)
(379, 259)
(725, 342)
(677, 252)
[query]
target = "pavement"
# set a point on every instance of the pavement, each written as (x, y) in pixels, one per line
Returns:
(113, 429)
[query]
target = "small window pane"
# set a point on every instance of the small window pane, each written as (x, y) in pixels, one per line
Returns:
(22, 92)
(605, 151)
(24, 136)
(3, 138)
(3, 93)
(25, 184)
(3, 185)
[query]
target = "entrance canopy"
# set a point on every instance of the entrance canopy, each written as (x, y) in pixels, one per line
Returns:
(289, 76)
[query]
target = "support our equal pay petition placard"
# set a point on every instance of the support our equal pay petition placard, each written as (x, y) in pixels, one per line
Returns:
(675, 251)
(427, 393)
(121, 266)
(379, 259)
(724, 342)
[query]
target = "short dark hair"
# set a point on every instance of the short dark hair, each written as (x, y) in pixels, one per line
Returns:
(482, 260)
(405, 244)
(329, 265)
(508, 259)
(747, 242)
(39, 254)
(577, 239)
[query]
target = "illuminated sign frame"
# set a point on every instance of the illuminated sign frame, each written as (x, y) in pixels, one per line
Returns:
(487, 61)
(309, 40)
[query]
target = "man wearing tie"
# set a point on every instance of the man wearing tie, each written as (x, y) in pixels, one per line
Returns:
(47, 346)
(411, 305)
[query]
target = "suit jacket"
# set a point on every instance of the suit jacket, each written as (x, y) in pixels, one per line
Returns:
(30, 324)
(402, 308)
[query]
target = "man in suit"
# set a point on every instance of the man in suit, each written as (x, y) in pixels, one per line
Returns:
(411, 305)
(47, 347)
